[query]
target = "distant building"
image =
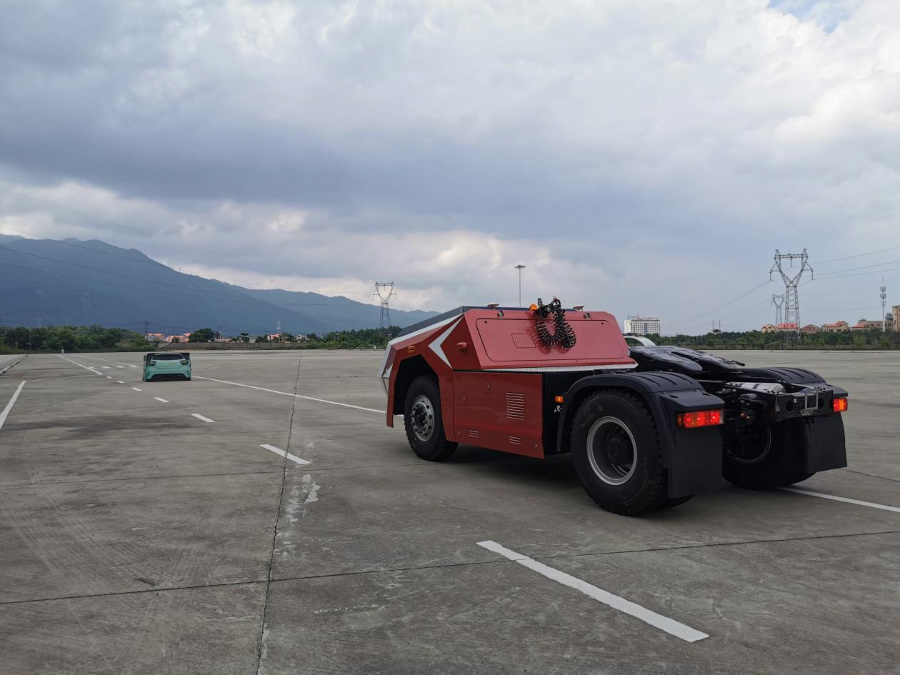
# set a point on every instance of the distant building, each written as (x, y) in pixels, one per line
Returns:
(865, 324)
(810, 329)
(638, 325)
(154, 337)
(836, 327)
(769, 328)
(788, 328)
(178, 338)
(895, 312)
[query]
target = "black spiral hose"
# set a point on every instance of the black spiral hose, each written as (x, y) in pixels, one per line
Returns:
(563, 334)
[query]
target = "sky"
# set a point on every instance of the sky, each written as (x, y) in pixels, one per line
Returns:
(637, 157)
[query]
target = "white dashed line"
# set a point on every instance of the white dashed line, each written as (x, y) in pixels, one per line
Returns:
(135, 388)
(109, 377)
(279, 451)
(664, 623)
(122, 367)
(105, 367)
(90, 368)
(119, 382)
(9, 406)
(201, 417)
(161, 400)
(284, 393)
(871, 505)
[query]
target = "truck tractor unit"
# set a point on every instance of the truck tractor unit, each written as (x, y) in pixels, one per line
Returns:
(647, 426)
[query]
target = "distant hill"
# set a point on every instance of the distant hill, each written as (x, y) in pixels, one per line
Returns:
(44, 282)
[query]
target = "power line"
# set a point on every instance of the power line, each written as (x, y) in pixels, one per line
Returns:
(718, 307)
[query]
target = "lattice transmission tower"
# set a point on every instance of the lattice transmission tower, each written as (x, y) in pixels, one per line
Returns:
(883, 305)
(791, 281)
(778, 301)
(384, 291)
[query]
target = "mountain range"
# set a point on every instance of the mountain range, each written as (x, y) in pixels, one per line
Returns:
(50, 282)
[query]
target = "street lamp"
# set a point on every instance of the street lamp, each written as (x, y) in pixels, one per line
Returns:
(520, 267)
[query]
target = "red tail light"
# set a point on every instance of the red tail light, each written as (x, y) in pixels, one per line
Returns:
(840, 404)
(701, 418)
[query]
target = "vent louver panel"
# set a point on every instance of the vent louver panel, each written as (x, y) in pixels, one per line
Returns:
(515, 406)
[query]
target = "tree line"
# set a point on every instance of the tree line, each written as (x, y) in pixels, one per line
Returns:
(70, 339)
(857, 339)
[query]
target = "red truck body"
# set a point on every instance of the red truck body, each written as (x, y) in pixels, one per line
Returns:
(490, 365)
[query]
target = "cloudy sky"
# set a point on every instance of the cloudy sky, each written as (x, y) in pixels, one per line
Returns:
(640, 157)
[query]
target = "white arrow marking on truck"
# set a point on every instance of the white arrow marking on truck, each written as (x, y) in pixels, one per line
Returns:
(664, 623)
(871, 505)
(438, 345)
(287, 455)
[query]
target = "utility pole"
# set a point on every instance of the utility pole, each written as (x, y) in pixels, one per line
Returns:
(384, 291)
(791, 281)
(520, 267)
(883, 305)
(778, 301)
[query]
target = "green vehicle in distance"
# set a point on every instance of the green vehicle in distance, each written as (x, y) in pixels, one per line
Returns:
(163, 365)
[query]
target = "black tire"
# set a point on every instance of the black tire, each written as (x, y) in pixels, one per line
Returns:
(617, 454)
(423, 421)
(187, 378)
(776, 462)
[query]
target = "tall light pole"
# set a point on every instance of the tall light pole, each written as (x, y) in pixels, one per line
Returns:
(520, 267)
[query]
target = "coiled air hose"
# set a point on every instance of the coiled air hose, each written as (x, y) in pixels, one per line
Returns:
(563, 334)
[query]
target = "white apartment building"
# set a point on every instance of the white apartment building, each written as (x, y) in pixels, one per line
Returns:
(642, 325)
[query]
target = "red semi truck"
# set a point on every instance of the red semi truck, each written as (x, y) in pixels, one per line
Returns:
(647, 426)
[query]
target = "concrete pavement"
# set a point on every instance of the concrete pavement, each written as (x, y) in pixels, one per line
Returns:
(136, 537)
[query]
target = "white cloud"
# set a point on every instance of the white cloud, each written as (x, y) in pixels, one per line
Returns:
(647, 156)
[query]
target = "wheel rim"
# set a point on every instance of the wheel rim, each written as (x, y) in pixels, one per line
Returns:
(423, 421)
(611, 451)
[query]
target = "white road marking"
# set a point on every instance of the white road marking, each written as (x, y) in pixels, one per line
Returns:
(871, 505)
(135, 388)
(279, 451)
(9, 406)
(105, 367)
(666, 624)
(201, 417)
(284, 393)
(11, 365)
(130, 365)
(161, 400)
(109, 377)
(80, 365)
(119, 382)
(122, 367)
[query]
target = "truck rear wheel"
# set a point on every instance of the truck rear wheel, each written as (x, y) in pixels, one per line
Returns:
(617, 455)
(423, 421)
(774, 459)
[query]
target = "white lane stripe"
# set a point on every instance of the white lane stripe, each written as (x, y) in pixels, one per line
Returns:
(105, 367)
(284, 393)
(109, 377)
(161, 400)
(135, 388)
(11, 365)
(871, 505)
(664, 623)
(80, 365)
(122, 367)
(201, 417)
(279, 451)
(119, 382)
(131, 366)
(9, 406)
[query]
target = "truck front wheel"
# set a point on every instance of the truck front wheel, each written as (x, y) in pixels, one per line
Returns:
(423, 421)
(617, 455)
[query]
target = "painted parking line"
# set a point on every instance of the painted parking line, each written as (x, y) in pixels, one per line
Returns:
(136, 389)
(9, 406)
(201, 417)
(287, 455)
(285, 393)
(664, 623)
(81, 365)
(161, 400)
(847, 500)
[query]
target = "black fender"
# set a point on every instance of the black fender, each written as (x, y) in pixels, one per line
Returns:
(692, 457)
